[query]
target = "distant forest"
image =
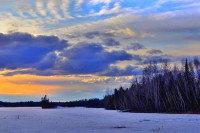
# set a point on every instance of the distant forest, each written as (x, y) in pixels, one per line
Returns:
(163, 87)
(45, 103)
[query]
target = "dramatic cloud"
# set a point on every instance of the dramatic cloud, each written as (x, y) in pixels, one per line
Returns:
(48, 55)
(89, 58)
(20, 50)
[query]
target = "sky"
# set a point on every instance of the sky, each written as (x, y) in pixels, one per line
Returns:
(77, 49)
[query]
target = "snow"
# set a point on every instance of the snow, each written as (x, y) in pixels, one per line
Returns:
(84, 120)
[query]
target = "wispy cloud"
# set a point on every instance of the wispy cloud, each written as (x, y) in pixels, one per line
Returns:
(78, 4)
(65, 9)
(41, 9)
(105, 10)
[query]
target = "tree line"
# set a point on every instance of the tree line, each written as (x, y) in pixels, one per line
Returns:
(89, 103)
(161, 88)
(20, 104)
(45, 103)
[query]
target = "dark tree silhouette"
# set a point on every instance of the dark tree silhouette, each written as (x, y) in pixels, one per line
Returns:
(45, 103)
(161, 88)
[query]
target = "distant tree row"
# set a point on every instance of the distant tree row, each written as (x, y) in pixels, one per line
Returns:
(91, 103)
(46, 104)
(20, 104)
(161, 88)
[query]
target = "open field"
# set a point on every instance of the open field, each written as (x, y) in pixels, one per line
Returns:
(83, 120)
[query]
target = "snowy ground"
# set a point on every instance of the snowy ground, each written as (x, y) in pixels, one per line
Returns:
(83, 120)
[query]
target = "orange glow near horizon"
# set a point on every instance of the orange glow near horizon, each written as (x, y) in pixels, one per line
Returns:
(23, 85)
(7, 88)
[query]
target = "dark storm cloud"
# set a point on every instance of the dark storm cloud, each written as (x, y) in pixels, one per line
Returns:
(154, 51)
(21, 50)
(135, 46)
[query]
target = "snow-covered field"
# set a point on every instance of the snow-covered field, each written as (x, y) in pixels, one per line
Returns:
(84, 120)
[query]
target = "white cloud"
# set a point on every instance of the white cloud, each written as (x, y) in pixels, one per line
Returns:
(53, 8)
(65, 7)
(23, 7)
(78, 4)
(40, 8)
(106, 11)
(10, 23)
(58, 10)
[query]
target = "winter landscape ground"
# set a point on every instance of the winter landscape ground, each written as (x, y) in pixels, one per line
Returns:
(86, 120)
